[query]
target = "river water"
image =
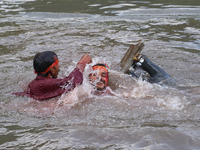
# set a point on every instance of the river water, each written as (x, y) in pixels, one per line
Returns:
(141, 116)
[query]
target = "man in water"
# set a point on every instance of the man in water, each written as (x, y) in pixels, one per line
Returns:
(46, 85)
(99, 79)
(100, 76)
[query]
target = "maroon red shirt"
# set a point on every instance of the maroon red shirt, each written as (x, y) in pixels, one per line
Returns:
(42, 88)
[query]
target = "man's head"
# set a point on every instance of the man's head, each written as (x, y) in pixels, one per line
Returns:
(100, 76)
(46, 64)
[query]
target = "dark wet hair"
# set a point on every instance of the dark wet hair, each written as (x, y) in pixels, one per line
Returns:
(42, 61)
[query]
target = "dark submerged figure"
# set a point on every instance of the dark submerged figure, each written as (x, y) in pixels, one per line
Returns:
(157, 74)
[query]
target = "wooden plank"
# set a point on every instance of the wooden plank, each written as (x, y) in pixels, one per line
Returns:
(124, 59)
(130, 55)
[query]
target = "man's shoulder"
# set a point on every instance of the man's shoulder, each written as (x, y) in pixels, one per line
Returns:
(39, 80)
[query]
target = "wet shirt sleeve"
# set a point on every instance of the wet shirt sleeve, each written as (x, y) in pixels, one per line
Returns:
(45, 88)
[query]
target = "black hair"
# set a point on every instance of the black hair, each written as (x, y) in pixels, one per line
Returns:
(42, 61)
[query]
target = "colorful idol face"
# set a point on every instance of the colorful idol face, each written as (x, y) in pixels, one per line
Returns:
(99, 77)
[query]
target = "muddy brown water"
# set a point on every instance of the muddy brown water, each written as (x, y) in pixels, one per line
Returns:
(140, 115)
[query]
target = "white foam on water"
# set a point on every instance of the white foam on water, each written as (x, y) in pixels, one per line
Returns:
(141, 90)
(169, 102)
(77, 95)
(118, 6)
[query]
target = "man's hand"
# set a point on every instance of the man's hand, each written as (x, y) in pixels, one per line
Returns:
(86, 59)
